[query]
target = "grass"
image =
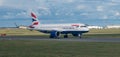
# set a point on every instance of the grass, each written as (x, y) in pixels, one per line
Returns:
(104, 31)
(47, 48)
(93, 33)
(15, 32)
(27, 48)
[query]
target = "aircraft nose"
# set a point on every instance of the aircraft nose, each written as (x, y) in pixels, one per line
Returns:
(86, 29)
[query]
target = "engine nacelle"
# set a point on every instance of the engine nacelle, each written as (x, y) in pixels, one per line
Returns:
(54, 34)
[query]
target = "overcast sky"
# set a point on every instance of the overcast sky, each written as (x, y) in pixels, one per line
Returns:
(61, 9)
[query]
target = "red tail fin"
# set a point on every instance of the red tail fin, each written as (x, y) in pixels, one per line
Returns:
(33, 15)
(35, 21)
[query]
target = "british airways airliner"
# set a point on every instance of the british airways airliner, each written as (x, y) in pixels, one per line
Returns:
(55, 30)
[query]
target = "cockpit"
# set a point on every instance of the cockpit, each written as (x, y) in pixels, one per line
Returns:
(78, 26)
(83, 26)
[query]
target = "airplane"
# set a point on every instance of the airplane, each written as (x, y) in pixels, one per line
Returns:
(55, 30)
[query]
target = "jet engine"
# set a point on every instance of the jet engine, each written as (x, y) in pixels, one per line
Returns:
(54, 34)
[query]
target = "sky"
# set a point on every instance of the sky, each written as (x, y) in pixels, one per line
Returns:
(92, 12)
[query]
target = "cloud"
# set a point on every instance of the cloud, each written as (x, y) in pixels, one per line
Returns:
(10, 15)
(105, 17)
(113, 3)
(68, 1)
(1, 2)
(84, 14)
(80, 7)
(117, 13)
(57, 1)
(22, 4)
(115, 0)
(100, 8)
(90, 8)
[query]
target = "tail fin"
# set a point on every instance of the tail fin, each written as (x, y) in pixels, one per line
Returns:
(35, 21)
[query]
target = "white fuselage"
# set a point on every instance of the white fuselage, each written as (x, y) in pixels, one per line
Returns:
(61, 27)
(76, 29)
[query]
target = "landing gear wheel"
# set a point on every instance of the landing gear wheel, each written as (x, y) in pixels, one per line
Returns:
(80, 36)
(66, 36)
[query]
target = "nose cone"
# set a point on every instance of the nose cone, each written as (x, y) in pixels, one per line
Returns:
(86, 29)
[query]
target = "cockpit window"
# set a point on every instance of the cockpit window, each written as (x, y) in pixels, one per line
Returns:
(83, 26)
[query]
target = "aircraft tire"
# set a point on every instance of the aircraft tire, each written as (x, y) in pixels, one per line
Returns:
(66, 36)
(80, 36)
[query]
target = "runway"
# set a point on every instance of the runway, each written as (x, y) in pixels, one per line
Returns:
(60, 39)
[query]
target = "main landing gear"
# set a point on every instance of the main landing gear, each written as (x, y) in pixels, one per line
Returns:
(66, 36)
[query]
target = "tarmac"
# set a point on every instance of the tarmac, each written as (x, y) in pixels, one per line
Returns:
(60, 39)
